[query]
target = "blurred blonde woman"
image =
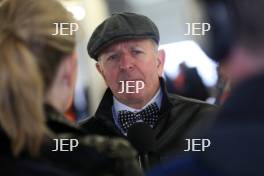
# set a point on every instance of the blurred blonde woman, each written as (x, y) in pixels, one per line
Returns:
(37, 77)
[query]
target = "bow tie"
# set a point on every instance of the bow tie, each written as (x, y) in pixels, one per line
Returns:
(149, 115)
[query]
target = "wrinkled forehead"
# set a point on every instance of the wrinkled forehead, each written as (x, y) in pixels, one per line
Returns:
(127, 44)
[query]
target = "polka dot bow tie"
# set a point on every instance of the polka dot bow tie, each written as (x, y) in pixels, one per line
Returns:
(149, 115)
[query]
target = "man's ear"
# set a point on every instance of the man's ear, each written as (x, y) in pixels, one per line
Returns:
(100, 69)
(161, 61)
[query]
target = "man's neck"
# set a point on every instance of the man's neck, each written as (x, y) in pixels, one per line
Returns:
(136, 105)
(140, 105)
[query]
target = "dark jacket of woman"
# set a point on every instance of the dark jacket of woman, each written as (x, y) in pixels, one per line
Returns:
(94, 155)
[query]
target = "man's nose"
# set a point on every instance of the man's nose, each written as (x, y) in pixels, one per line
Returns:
(126, 62)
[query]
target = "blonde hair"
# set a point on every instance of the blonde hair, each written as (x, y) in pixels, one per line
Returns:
(29, 58)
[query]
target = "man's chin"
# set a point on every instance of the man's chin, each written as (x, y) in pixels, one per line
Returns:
(132, 97)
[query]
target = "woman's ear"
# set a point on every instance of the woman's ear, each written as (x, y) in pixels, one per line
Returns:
(60, 93)
(69, 68)
(161, 61)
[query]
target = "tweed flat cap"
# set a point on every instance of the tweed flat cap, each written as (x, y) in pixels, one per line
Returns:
(118, 27)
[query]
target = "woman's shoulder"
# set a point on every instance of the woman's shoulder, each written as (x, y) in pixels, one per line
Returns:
(94, 155)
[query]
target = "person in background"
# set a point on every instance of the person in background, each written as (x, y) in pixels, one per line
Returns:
(125, 46)
(37, 78)
(237, 135)
(189, 84)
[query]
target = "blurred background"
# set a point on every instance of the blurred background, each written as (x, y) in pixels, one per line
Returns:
(188, 70)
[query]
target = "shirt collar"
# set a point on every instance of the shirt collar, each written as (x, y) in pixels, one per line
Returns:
(118, 106)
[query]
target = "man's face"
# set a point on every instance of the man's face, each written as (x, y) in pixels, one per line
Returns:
(132, 60)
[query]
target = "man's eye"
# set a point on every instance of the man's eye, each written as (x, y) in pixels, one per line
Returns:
(136, 52)
(113, 57)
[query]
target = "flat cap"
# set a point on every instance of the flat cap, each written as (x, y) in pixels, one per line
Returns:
(118, 27)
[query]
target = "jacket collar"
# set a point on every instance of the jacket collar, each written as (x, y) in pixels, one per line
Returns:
(104, 111)
(58, 123)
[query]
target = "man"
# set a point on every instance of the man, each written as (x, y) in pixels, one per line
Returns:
(125, 47)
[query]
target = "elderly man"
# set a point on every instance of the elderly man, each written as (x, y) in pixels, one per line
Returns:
(125, 47)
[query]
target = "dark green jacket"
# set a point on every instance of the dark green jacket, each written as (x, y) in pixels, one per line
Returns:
(180, 118)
